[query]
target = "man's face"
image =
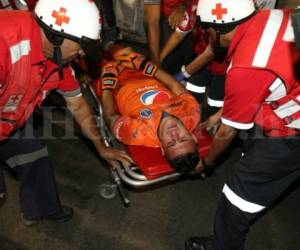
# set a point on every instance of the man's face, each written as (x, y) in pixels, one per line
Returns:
(175, 139)
(70, 50)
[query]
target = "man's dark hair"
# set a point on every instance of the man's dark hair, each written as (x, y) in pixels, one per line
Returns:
(185, 163)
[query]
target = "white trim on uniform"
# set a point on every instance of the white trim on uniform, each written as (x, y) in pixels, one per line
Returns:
(229, 66)
(237, 125)
(240, 203)
(214, 103)
(277, 89)
(286, 109)
(275, 84)
(183, 32)
(19, 50)
(268, 39)
(289, 32)
(194, 88)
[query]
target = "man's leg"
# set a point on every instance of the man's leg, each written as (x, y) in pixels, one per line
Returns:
(2, 185)
(198, 83)
(266, 170)
(38, 192)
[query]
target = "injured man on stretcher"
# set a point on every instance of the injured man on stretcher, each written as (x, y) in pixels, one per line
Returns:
(143, 105)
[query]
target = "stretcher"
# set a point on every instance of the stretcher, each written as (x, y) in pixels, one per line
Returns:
(151, 167)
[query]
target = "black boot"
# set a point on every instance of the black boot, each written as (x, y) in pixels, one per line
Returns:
(64, 215)
(200, 243)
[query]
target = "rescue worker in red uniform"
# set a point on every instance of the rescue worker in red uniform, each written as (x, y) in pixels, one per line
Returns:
(35, 50)
(261, 97)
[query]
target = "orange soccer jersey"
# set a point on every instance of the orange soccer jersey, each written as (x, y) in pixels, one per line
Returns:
(140, 100)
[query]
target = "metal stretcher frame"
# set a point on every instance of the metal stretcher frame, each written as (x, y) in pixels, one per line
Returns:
(120, 173)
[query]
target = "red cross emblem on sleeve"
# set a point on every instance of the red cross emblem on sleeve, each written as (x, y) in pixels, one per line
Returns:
(219, 11)
(60, 16)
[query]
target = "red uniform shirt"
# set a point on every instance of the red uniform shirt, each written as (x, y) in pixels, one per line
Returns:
(141, 101)
(26, 77)
(260, 72)
(169, 5)
(190, 18)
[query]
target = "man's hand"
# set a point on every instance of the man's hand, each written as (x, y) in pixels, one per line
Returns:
(112, 154)
(179, 76)
(203, 169)
(198, 169)
(182, 74)
(138, 61)
(212, 123)
(177, 16)
(133, 60)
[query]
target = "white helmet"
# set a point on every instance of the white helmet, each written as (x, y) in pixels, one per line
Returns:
(224, 15)
(77, 19)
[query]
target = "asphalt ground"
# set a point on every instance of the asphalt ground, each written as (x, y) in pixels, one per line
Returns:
(159, 218)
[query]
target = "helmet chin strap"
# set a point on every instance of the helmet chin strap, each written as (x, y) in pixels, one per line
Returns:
(57, 55)
(219, 51)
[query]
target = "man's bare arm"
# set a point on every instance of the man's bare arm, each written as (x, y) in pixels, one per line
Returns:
(84, 117)
(152, 16)
(222, 139)
(109, 111)
(170, 82)
(173, 41)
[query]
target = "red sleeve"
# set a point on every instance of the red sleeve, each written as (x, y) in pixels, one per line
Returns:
(68, 86)
(4, 63)
(189, 20)
(245, 91)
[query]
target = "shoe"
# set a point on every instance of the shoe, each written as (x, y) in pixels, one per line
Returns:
(64, 215)
(200, 243)
(2, 198)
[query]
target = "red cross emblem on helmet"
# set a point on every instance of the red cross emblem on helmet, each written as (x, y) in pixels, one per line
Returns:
(219, 11)
(60, 16)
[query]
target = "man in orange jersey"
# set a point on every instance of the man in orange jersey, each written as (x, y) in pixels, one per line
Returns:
(144, 105)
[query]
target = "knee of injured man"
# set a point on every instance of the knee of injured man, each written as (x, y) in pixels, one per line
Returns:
(178, 145)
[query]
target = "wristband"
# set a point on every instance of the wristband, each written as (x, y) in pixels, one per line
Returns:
(109, 83)
(139, 61)
(109, 77)
(149, 69)
(184, 72)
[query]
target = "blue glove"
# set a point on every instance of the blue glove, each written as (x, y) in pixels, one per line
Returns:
(179, 76)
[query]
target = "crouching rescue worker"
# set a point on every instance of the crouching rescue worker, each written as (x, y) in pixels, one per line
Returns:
(35, 49)
(261, 97)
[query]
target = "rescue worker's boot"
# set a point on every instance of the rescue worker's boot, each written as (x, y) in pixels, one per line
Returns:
(2, 198)
(64, 215)
(200, 243)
